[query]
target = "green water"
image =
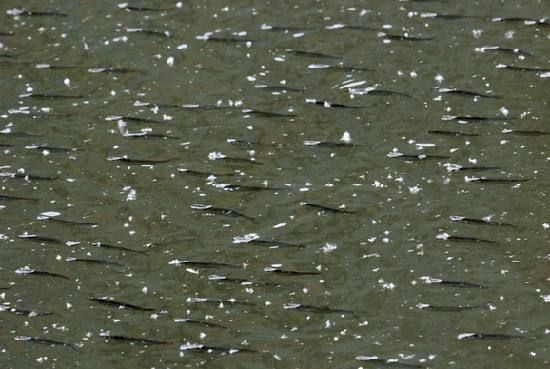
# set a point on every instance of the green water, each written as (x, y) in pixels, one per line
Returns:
(358, 227)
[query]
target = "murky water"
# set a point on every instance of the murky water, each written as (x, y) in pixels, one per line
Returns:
(274, 184)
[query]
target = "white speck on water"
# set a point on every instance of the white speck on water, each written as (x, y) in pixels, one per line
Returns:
(545, 298)
(279, 225)
(329, 247)
(509, 34)
(67, 82)
(415, 189)
(246, 238)
(170, 61)
(477, 33)
(182, 47)
(346, 138)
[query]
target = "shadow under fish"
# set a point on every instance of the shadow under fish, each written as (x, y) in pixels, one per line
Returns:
(133, 340)
(310, 54)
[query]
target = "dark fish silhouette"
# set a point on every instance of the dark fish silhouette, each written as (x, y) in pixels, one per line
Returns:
(29, 271)
(43, 341)
(5, 197)
(452, 133)
(210, 349)
(448, 16)
(149, 32)
(523, 68)
(327, 208)
(128, 118)
(315, 309)
(344, 68)
(204, 323)
(456, 91)
(476, 168)
(49, 148)
(447, 309)
(403, 37)
(94, 261)
(128, 7)
(267, 114)
(310, 54)
(234, 40)
(327, 104)
(527, 21)
(221, 211)
(504, 49)
(527, 133)
(490, 336)
(218, 302)
(460, 284)
(46, 96)
(241, 281)
(267, 27)
(467, 239)
(328, 144)
(28, 177)
(41, 239)
(247, 188)
(498, 180)
(133, 340)
(117, 247)
(17, 311)
(419, 156)
(278, 270)
(118, 304)
(456, 218)
(113, 70)
(389, 363)
(199, 173)
(35, 13)
(473, 118)
(280, 88)
(203, 264)
(125, 159)
(273, 243)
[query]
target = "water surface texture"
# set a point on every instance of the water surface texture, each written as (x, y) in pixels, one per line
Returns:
(274, 184)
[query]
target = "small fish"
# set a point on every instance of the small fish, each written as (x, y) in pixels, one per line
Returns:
(68, 222)
(28, 177)
(149, 32)
(489, 336)
(43, 341)
(17, 311)
(228, 39)
(222, 211)
(467, 239)
(7, 33)
(267, 114)
(49, 148)
(247, 188)
(351, 27)
(504, 49)
(278, 270)
(453, 133)
(327, 208)
(5, 197)
(203, 323)
(273, 244)
(41, 239)
(128, 118)
(279, 88)
(117, 247)
(447, 309)
(113, 70)
(210, 349)
(29, 271)
(477, 168)
(498, 180)
(241, 281)
(118, 304)
(35, 13)
(218, 302)
(285, 29)
(390, 363)
(450, 283)
(472, 118)
(523, 68)
(147, 135)
(237, 160)
(456, 91)
(134, 8)
(329, 144)
(125, 159)
(527, 21)
(133, 340)
(412, 157)
(403, 37)
(344, 68)
(94, 261)
(50, 96)
(203, 264)
(327, 104)
(448, 16)
(199, 173)
(310, 54)
(314, 309)
(457, 218)
(527, 133)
